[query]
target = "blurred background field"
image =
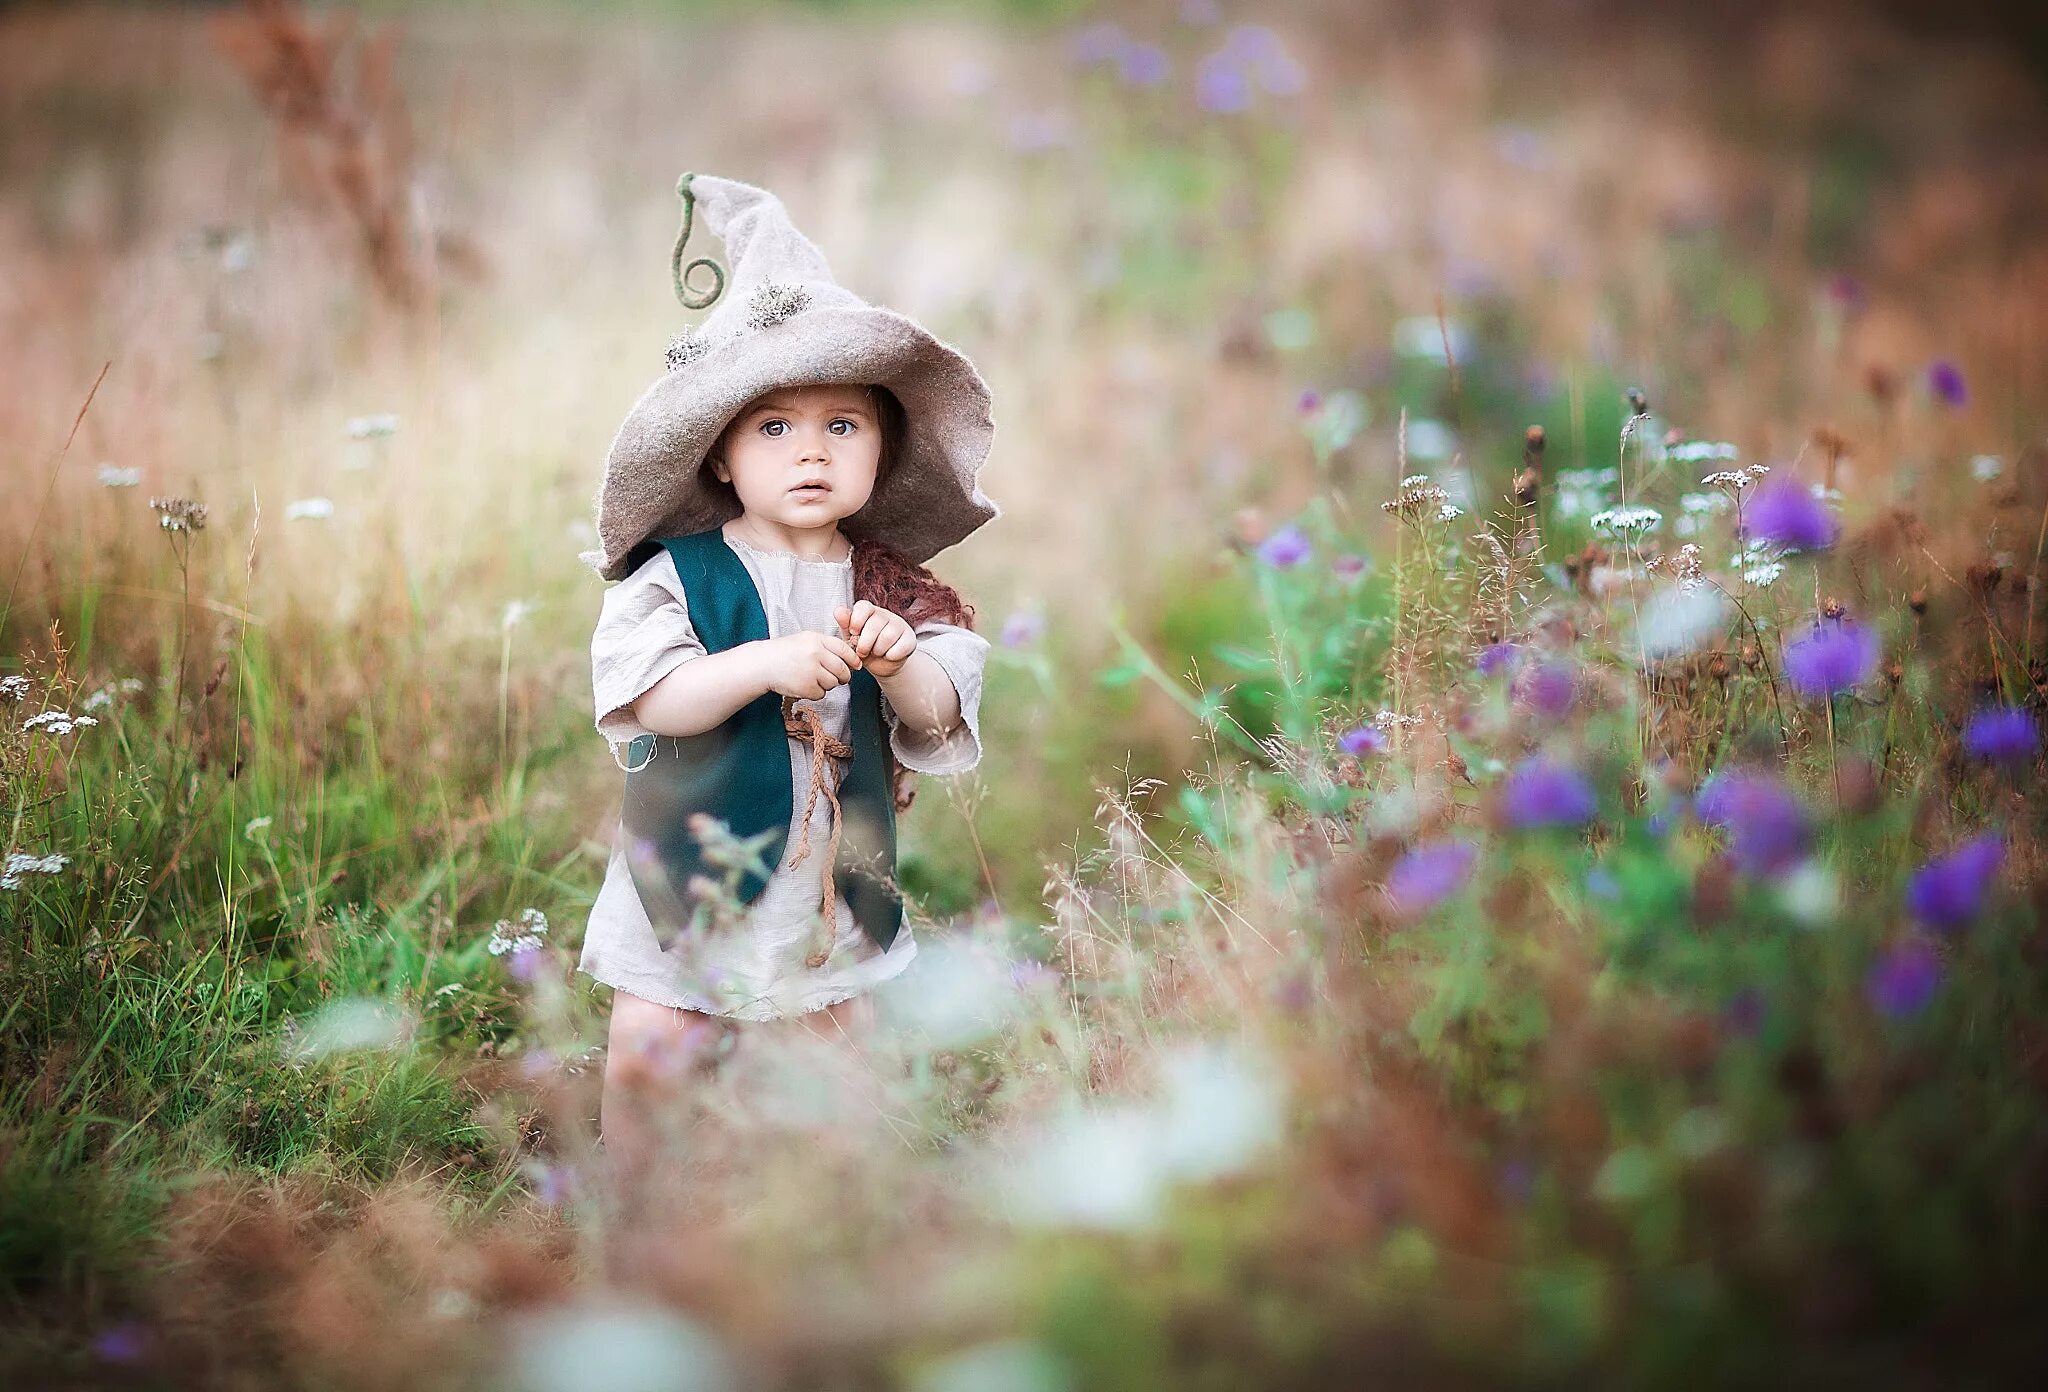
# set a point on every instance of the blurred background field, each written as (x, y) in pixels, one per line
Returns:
(1414, 918)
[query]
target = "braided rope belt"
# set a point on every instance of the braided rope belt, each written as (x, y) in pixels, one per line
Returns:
(804, 723)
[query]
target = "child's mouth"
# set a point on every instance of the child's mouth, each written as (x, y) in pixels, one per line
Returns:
(810, 492)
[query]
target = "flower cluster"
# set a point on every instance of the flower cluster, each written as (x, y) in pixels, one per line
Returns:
(686, 347)
(20, 863)
(773, 302)
(1700, 451)
(106, 695)
(1418, 499)
(1627, 521)
(57, 722)
(1683, 565)
(14, 688)
(1577, 492)
(179, 514)
(526, 935)
(1736, 480)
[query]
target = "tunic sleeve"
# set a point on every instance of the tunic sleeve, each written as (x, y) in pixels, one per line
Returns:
(964, 655)
(643, 633)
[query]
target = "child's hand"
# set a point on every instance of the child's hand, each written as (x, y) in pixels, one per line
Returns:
(883, 641)
(806, 665)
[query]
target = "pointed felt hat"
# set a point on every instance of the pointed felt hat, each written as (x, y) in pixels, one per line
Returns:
(783, 321)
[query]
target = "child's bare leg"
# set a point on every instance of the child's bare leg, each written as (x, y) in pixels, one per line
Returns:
(647, 1057)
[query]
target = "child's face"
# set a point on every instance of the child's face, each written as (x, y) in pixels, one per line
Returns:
(794, 436)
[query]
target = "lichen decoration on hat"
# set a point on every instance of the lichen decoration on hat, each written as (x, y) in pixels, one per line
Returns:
(783, 321)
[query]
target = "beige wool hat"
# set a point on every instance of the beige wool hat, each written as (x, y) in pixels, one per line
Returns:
(785, 323)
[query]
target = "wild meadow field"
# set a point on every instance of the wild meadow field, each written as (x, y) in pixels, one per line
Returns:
(1509, 845)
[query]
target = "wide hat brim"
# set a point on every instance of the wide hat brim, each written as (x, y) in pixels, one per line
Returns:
(654, 483)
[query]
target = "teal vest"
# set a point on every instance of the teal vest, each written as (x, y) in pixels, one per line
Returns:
(740, 772)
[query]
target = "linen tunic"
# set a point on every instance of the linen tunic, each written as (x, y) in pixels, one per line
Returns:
(754, 969)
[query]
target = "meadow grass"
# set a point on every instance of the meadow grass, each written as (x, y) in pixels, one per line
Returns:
(1421, 916)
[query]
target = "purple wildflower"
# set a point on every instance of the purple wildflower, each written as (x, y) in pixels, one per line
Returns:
(1904, 978)
(1142, 64)
(1542, 792)
(1945, 380)
(1517, 1180)
(1765, 820)
(525, 963)
(1220, 84)
(1497, 657)
(1348, 567)
(1547, 687)
(129, 1341)
(1948, 891)
(1362, 740)
(1845, 292)
(1310, 401)
(1834, 657)
(1097, 43)
(1427, 874)
(1785, 513)
(553, 1184)
(1744, 1013)
(1287, 547)
(1022, 627)
(2002, 735)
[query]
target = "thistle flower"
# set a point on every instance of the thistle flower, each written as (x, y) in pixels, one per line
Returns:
(1948, 891)
(1220, 84)
(1786, 513)
(1361, 740)
(1547, 687)
(1835, 656)
(1765, 821)
(1021, 628)
(1945, 382)
(2002, 735)
(1542, 792)
(1285, 548)
(1495, 658)
(1426, 875)
(1904, 978)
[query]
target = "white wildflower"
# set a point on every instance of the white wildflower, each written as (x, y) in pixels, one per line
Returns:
(113, 477)
(1737, 479)
(21, 863)
(57, 722)
(107, 694)
(372, 427)
(1986, 467)
(309, 507)
(515, 614)
(1699, 451)
(1394, 720)
(528, 933)
(1628, 521)
(14, 688)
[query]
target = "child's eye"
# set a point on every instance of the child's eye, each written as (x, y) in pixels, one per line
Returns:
(842, 420)
(773, 434)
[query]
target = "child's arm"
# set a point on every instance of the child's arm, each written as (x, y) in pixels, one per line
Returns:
(924, 695)
(701, 693)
